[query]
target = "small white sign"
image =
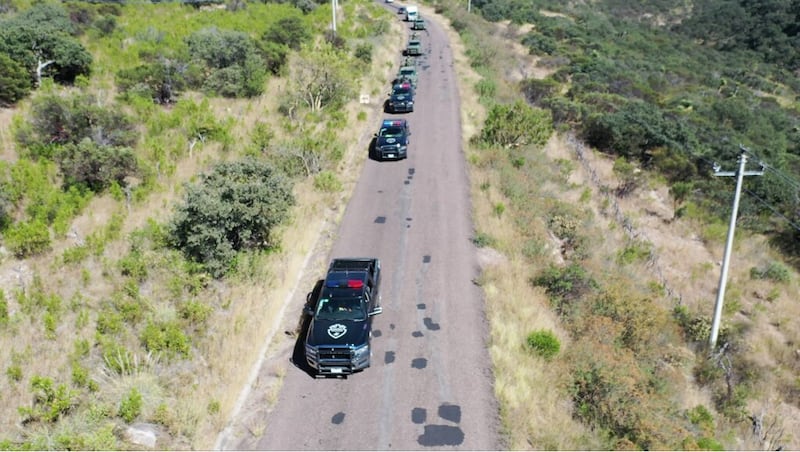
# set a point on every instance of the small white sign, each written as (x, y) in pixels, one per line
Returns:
(364, 99)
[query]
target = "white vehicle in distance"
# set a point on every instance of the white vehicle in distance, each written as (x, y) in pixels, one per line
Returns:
(412, 12)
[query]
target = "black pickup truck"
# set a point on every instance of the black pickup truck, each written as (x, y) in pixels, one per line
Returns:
(338, 339)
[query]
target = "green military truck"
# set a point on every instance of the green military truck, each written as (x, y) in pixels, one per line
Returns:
(414, 47)
(419, 24)
(407, 73)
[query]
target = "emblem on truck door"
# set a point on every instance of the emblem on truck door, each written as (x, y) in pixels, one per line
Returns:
(337, 330)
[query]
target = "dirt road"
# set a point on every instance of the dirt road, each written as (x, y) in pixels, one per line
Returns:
(430, 384)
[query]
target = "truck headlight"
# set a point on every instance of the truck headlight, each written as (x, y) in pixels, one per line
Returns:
(360, 353)
(311, 351)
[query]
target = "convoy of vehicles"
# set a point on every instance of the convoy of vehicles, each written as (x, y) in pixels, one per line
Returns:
(338, 338)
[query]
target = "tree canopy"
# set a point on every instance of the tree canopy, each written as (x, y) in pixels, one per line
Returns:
(42, 40)
(232, 208)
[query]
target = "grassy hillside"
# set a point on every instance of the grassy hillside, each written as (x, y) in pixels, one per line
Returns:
(107, 319)
(602, 244)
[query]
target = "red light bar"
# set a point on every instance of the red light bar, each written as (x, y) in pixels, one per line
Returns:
(355, 283)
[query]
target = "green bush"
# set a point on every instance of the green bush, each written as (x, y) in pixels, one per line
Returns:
(706, 443)
(96, 166)
(131, 406)
(774, 271)
(290, 31)
(363, 53)
(49, 403)
(486, 89)
(232, 65)
(483, 239)
(134, 265)
(195, 312)
(44, 32)
(634, 251)
(565, 285)
(160, 80)
(232, 208)
(326, 181)
(14, 79)
(57, 120)
(25, 239)
(544, 343)
(167, 338)
(516, 124)
(702, 418)
(14, 373)
(3, 308)
(81, 379)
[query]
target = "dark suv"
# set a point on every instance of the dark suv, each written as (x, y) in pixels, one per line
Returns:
(391, 141)
(401, 99)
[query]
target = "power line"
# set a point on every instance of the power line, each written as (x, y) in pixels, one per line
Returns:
(773, 209)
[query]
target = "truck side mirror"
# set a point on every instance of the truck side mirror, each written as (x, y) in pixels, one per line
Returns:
(308, 310)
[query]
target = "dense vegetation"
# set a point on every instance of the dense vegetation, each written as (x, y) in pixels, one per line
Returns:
(652, 95)
(639, 82)
(111, 102)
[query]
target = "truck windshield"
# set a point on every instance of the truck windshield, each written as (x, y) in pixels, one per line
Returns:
(340, 308)
(391, 132)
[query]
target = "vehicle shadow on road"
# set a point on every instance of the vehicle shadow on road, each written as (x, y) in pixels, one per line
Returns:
(373, 150)
(299, 353)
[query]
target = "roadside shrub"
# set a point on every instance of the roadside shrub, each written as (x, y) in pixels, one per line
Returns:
(544, 343)
(486, 89)
(536, 90)
(363, 53)
(326, 181)
(516, 124)
(565, 285)
(483, 239)
(131, 406)
(232, 208)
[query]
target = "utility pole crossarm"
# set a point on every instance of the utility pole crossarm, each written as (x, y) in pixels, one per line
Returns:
(723, 277)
